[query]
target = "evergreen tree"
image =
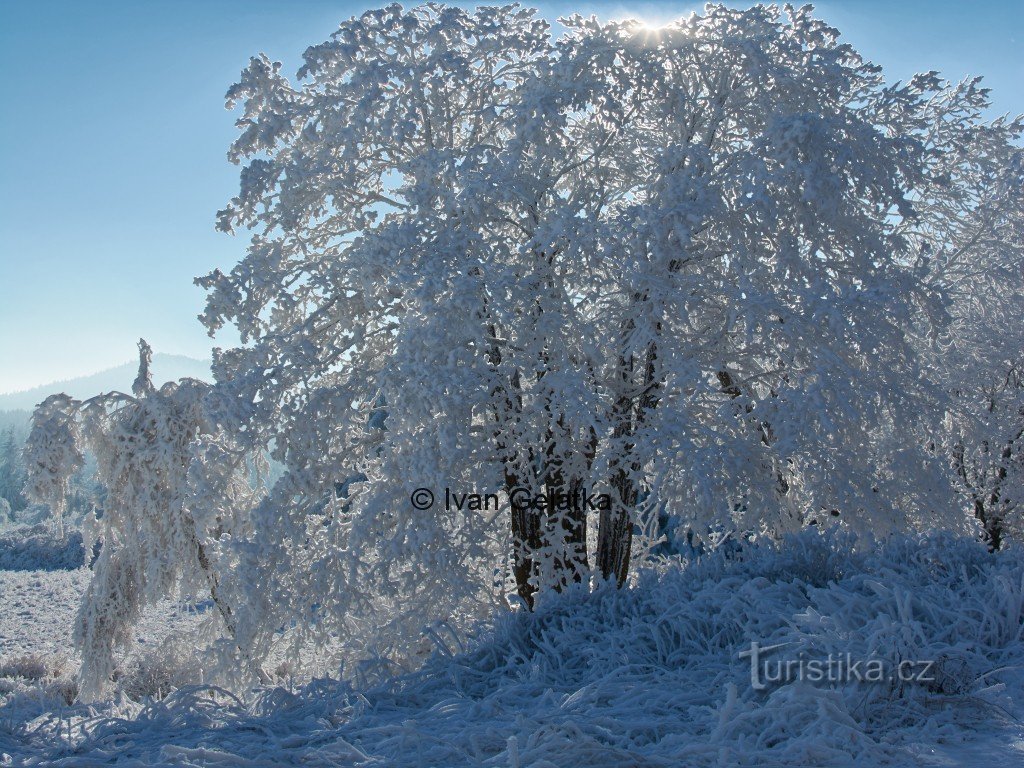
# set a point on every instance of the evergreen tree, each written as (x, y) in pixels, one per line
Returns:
(12, 471)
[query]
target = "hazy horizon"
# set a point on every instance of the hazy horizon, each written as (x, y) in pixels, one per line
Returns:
(157, 357)
(118, 378)
(115, 137)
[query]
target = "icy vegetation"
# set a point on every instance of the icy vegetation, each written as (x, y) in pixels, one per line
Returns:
(645, 676)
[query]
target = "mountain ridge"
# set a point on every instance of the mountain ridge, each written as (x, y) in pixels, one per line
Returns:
(165, 367)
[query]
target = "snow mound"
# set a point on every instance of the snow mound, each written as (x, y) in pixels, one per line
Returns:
(40, 548)
(649, 676)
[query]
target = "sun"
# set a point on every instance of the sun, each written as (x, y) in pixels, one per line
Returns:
(650, 27)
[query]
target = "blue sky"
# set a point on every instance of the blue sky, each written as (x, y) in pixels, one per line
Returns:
(114, 133)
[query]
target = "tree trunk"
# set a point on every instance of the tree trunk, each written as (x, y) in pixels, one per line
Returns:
(615, 529)
(991, 524)
(574, 535)
(559, 533)
(222, 606)
(615, 532)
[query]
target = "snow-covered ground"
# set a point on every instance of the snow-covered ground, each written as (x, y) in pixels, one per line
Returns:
(38, 611)
(650, 676)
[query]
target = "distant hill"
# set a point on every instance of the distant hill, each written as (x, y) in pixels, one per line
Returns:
(165, 368)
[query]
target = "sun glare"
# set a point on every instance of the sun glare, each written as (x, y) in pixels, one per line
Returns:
(651, 28)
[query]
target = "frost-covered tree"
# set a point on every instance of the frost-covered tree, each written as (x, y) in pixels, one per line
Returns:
(52, 454)
(160, 512)
(684, 267)
(981, 366)
(986, 446)
(12, 471)
(967, 244)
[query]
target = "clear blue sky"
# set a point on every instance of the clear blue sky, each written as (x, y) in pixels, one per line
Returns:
(113, 133)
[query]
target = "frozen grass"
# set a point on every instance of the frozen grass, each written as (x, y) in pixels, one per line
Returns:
(643, 677)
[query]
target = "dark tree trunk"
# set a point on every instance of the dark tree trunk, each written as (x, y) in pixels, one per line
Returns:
(990, 518)
(991, 523)
(767, 436)
(574, 535)
(558, 531)
(507, 397)
(526, 541)
(222, 606)
(615, 528)
(989, 506)
(615, 531)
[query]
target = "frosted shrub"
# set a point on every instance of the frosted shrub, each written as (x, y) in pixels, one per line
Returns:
(53, 454)
(154, 672)
(32, 667)
(40, 548)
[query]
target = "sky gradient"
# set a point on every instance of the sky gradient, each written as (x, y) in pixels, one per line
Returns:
(114, 135)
